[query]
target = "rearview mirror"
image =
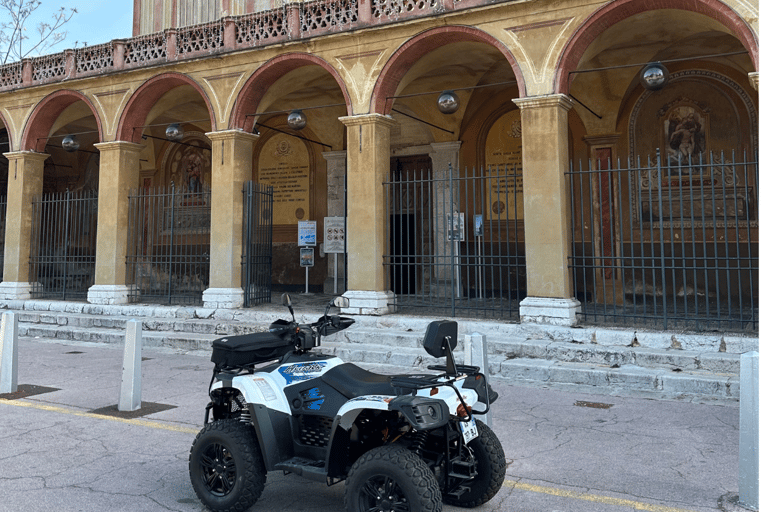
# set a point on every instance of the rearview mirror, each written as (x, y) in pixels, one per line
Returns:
(341, 302)
(286, 300)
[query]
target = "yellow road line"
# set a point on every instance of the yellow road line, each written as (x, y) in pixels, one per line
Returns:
(594, 498)
(563, 493)
(73, 412)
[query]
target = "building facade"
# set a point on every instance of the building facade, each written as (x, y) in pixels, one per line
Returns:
(561, 175)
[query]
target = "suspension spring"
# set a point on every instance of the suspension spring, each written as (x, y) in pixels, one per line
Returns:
(420, 438)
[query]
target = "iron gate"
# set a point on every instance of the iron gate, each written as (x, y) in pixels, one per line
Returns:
(673, 246)
(62, 260)
(456, 241)
(3, 206)
(169, 245)
(257, 243)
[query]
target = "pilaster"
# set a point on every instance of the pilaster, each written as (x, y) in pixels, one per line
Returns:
(336, 170)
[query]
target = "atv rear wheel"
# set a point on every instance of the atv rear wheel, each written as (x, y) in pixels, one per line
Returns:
(225, 466)
(391, 479)
(491, 467)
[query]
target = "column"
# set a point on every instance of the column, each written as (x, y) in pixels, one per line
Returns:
(25, 181)
(118, 174)
(444, 154)
(336, 171)
(546, 202)
(367, 230)
(231, 167)
(604, 230)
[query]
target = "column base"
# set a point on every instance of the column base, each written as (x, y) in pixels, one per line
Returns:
(341, 286)
(223, 298)
(369, 303)
(15, 291)
(545, 310)
(107, 294)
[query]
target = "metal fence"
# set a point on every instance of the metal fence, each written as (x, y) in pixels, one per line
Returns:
(169, 245)
(456, 241)
(670, 246)
(257, 243)
(62, 261)
(3, 206)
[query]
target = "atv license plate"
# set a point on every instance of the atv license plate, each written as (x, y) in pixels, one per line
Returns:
(468, 429)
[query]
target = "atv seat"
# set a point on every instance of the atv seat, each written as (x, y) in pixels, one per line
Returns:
(352, 381)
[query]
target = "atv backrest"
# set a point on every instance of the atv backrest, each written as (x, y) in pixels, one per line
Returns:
(435, 337)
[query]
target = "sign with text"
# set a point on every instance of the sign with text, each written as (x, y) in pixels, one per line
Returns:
(307, 255)
(335, 235)
(307, 232)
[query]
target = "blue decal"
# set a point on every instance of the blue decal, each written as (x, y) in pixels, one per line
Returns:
(315, 406)
(313, 394)
(301, 371)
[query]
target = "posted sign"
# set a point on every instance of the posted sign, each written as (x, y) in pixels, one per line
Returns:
(335, 235)
(307, 233)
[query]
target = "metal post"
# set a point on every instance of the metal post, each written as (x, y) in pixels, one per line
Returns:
(130, 388)
(9, 353)
(748, 431)
(476, 354)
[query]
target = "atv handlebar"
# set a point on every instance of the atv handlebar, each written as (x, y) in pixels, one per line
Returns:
(307, 336)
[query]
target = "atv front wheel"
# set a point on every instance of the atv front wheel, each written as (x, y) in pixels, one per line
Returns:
(225, 466)
(391, 479)
(491, 467)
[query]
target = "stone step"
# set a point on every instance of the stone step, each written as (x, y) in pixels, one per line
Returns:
(517, 353)
(630, 379)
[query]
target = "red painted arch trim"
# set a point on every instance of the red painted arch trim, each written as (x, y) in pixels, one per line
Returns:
(263, 78)
(146, 96)
(46, 112)
(619, 10)
(422, 44)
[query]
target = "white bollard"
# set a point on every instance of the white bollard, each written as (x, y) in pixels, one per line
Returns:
(130, 388)
(476, 354)
(748, 431)
(9, 353)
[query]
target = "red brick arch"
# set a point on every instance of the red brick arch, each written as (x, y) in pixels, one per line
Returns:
(417, 47)
(141, 102)
(46, 112)
(619, 10)
(263, 78)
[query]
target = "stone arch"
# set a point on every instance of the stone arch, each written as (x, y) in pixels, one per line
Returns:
(45, 114)
(616, 11)
(145, 98)
(262, 79)
(415, 48)
(10, 135)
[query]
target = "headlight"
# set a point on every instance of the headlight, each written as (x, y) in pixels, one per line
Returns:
(422, 413)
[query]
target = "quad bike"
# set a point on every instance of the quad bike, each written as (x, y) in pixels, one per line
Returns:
(403, 443)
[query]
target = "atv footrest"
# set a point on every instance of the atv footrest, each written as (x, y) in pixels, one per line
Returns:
(311, 469)
(462, 469)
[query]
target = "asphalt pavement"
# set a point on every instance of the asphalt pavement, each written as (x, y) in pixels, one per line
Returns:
(64, 447)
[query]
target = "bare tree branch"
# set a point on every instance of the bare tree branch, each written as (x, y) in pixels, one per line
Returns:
(15, 44)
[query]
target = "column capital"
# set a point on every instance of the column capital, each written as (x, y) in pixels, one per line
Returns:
(232, 135)
(116, 145)
(601, 140)
(547, 101)
(438, 147)
(754, 79)
(334, 155)
(29, 155)
(364, 119)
